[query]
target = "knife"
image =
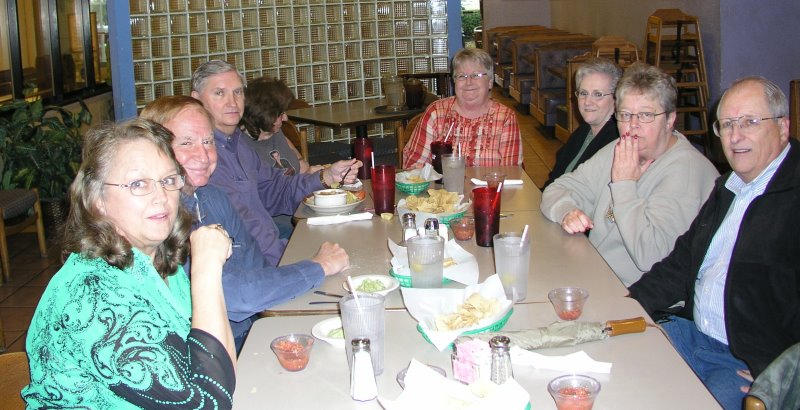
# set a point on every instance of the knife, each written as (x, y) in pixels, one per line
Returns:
(320, 302)
(333, 295)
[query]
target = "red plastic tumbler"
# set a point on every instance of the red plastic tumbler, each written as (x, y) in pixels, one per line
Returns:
(383, 188)
(486, 208)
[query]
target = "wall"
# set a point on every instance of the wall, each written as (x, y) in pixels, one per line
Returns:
(764, 40)
(515, 13)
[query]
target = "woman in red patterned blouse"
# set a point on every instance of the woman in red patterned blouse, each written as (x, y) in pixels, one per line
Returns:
(486, 131)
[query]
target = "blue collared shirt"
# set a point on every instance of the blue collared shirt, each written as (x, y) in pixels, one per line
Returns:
(709, 306)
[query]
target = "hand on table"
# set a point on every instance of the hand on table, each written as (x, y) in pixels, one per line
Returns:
(344, 171)
(626, 165)
(332, 258)
(576, 221)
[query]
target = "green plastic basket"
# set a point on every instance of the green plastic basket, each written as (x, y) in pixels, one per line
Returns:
(445, 219)
(414, 188)
(405, 281)
(494, 327)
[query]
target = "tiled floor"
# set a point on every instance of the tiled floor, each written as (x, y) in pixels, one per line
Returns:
(30, 273)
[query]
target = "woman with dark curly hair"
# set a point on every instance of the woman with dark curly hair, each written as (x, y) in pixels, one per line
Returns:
(116, 326)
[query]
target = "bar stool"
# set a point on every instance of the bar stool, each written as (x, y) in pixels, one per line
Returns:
(14, 205)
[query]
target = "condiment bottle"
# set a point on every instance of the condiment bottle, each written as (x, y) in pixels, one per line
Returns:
(363, 150)
(362, 377)
(409, 226)
(501, 359)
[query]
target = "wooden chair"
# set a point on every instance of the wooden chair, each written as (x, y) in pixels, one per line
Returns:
(297, 137)
(15, 205)
(794, 102)
(403, 134)
(13, 377)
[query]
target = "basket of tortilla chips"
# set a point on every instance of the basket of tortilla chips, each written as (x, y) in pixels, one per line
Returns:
(438, 204)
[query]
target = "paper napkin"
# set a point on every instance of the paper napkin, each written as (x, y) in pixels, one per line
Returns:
(427, 389)
(427, 304)
(338, 219)
(578, 362)
(427, 173)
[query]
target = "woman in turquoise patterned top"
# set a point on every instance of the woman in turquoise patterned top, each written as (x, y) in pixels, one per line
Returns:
(116, 327)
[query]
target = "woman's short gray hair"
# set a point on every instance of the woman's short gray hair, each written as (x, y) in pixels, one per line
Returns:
(599, 65)
(210, 69)
(776, 99)
(641, 78)
(473, 55)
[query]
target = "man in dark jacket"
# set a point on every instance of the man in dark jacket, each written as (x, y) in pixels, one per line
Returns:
(737, 268)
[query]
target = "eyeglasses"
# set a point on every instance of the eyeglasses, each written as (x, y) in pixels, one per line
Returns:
(724, 127)
(146, 186)
(596, 95)
(644, 117)
(474, 76)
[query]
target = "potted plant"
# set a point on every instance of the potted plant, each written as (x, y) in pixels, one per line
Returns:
(40, 146)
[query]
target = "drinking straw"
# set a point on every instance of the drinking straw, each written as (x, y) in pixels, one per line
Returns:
(459, 149)
(524, 234)
(353, 291)
(372, 157)
(497, 195)
(448, 131)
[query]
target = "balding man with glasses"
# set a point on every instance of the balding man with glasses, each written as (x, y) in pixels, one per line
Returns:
(737, 268)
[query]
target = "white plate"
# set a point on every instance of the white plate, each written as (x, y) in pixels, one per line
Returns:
(331, 210)
(389, 282)
(321, 330)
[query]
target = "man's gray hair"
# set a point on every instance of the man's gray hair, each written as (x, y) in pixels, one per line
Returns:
(212, 68)
(599, 65)
(776, 99)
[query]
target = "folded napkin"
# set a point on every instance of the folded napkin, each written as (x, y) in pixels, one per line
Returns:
(578, 362)
(427, 389)
(338, 219)
(424, 305)
(427, 173)
(464, 270)
(480, 182)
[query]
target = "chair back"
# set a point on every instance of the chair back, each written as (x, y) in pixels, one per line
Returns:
(777, 386)
(298, 138)
(403, 133)
(794, 109)
(13, 377)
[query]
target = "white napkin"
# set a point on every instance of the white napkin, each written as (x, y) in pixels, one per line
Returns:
(338, 219)
(578, 362)
(427, 173)
(464, 271)
(508, 182)
(427, 389)
(426, 304)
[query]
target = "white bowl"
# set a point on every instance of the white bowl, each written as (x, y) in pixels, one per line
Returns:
(330, 197)
(389, 283)
(321, 330)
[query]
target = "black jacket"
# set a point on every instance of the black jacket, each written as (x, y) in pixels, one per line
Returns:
(565, 155)
(762, 292)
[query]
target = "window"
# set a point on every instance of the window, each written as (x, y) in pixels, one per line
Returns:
(32, 32)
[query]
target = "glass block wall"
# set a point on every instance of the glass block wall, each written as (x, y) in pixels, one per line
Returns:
(325, 50)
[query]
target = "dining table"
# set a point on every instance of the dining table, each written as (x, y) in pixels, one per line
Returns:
(646, 371)
(557, 258)
(358, 114)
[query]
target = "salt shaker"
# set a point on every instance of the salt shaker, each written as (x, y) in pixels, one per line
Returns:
(362, 377)
(432, 227)
(409, 226)
(501, 359)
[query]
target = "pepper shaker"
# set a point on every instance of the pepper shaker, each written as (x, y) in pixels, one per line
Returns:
(501, 359)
